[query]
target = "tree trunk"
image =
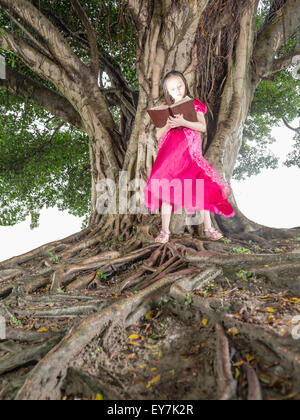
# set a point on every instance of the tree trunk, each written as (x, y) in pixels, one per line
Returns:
(171, 35)
(158, 47)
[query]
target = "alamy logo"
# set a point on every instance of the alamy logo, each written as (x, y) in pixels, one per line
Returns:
(2, 328)
(177, 190)
(2, 68)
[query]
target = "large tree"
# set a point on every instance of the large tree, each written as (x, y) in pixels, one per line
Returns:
(58, 54)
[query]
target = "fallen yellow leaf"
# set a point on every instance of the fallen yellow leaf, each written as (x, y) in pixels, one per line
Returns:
(148, 315)
(133, 336)
(202, 345)
(288, 397)
(143, 366)
(150, 347)
(249, 358)
(238, 364)
(204, 322)
(133, 343)
(271, 310)
(153, 381)
(295, 299)
(42, 330)
(233, 331)
(54, 329)
(99, 397)
(157, 354)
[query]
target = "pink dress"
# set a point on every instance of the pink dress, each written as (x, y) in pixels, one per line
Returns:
(195, 183)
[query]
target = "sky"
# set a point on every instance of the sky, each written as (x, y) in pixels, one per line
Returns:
(271, 198)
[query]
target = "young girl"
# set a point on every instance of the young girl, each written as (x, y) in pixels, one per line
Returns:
(180, 156)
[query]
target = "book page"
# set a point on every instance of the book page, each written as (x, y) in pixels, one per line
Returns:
(161, 107)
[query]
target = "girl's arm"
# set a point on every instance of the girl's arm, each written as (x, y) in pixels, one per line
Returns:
(200, 125)
(161, 131)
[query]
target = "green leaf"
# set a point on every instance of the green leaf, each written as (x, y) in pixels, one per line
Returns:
(188, 299)
(15, 322)
(155, 336)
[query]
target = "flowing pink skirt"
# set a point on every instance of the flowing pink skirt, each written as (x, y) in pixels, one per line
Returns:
(182, 177)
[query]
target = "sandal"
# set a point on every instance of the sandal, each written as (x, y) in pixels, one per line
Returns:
(213, 234)
(163, 236)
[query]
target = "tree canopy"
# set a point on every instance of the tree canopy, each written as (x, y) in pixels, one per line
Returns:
(44, 160)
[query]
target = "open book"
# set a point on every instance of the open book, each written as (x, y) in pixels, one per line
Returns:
(160, 114)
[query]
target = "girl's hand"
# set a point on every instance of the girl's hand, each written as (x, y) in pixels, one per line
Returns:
(176, 121)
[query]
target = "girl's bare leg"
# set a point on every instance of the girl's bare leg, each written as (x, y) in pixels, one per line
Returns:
(207, 220)
(164, 234)
(210, 232)
(166, 215)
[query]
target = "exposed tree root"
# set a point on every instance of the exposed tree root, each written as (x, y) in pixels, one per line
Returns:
(20, 336)
(80, 383)
(89, 291)
(254, 388)
(226, 382)
(45, 381)
(237, 260)
(27, 355)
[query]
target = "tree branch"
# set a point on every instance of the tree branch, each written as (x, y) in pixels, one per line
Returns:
(284, 62)
(46, 30)
(110, 66)
(271, 38)
(122, 99)
(40, 95)
(34, 59)
(135, 7)
(91, 36)
(297, 130)
(35, 42)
